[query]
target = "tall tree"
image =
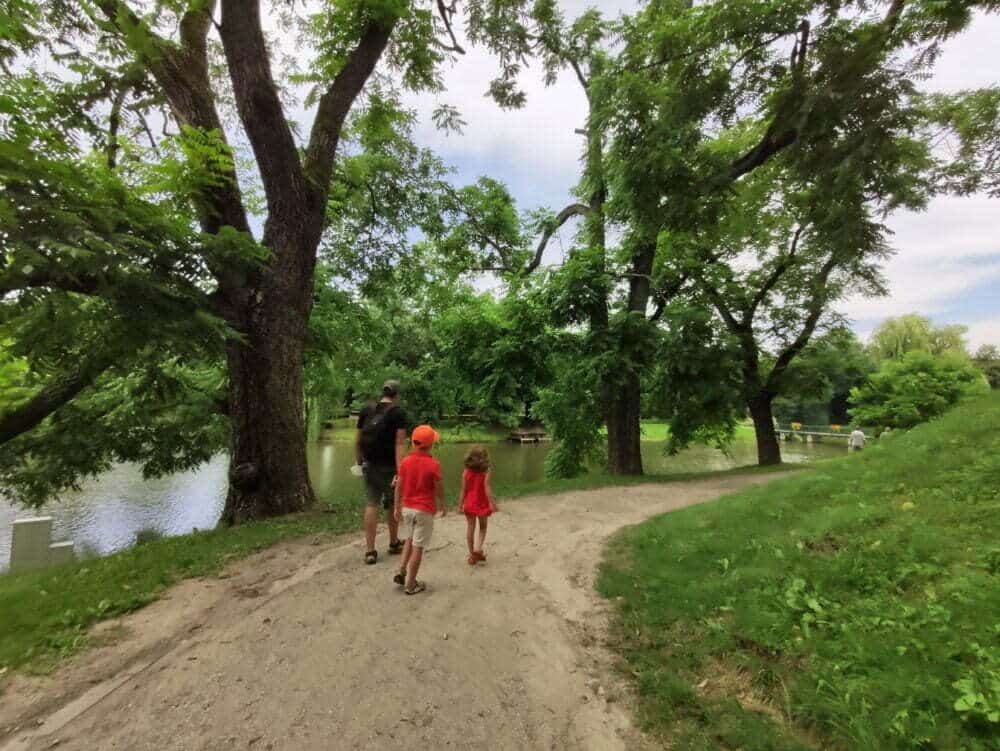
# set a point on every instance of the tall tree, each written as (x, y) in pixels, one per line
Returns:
(191, 58)
(701, 98)
(894, 337)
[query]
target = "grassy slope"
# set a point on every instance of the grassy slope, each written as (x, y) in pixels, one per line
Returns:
(849, 607)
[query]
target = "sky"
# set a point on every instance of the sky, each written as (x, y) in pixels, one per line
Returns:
(947, 260)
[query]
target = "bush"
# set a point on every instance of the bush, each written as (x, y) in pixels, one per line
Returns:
(915, 388)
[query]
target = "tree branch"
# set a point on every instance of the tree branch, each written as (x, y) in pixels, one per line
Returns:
(182, 74)
(114, 122)
(720, 305)
(336, 103)
(446, 12)
(779, 270)
(574, 209)
(579, 75)
(57, 393)
(81, 284)
(816, 307)
(260, 107)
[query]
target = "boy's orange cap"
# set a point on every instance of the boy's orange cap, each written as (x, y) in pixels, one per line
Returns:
(424, 436)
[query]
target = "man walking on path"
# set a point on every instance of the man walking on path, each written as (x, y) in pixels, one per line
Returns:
(379, 448)
(857, 440)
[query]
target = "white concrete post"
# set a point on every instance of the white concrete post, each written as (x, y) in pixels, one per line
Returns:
(29, 546)
(60, 552)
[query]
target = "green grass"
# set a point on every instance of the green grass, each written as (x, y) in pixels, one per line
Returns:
(853, 606)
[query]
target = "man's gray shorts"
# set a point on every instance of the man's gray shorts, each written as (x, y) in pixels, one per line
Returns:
(378, 484)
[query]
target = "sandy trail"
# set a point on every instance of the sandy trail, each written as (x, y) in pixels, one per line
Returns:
(304, 647)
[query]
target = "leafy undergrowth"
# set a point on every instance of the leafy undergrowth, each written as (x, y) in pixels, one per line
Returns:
(45, 614)
(855, 606)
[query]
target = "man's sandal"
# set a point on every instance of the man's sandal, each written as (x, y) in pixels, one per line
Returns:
(417, 588)
(395, 548)
(371, 556)
(400, 578)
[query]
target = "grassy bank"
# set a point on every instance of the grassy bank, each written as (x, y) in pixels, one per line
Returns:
(853, 607)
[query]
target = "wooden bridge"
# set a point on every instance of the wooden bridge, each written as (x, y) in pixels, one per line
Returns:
(528, 435)
(810, 434)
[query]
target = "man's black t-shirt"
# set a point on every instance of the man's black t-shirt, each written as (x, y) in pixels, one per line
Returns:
(383, 450)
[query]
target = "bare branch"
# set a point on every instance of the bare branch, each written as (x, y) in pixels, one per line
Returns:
(446, 13)
(149, 133)
(574, 209)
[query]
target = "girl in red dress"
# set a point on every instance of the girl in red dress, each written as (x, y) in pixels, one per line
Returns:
(477, 500)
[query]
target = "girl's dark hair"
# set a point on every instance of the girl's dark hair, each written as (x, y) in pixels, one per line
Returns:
(477, 459)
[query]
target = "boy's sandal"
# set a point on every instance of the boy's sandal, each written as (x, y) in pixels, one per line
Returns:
(399, 579)
(395, 548)
(371, 556)
(417, 588)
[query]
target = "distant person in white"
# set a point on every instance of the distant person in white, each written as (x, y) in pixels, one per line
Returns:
(857, 440)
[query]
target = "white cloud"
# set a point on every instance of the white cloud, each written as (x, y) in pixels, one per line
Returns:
(984, 332)
(924, 287)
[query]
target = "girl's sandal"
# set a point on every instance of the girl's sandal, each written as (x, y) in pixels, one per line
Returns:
(417, 588)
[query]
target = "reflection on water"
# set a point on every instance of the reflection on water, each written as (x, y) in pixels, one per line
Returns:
(107, 512)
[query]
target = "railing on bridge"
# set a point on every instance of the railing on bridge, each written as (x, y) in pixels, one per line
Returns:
(814, 433)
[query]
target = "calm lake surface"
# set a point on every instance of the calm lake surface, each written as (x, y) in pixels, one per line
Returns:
(106, 514)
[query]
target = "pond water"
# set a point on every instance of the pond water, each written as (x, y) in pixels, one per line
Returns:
(106, 513)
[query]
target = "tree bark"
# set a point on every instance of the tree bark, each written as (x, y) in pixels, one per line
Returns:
(622, 420)
(268, 471)
(768, 450)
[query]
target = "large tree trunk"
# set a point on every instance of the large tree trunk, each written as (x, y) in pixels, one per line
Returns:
(768, 450)
(268, 474)
(268, 471)
(622, 420)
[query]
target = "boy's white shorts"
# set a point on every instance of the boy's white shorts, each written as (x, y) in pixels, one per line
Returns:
(418, 525)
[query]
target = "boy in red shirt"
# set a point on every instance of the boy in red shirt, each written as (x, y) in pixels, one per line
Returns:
(419, 495)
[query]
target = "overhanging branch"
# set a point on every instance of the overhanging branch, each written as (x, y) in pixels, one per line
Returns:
(21, 419)
(574, 209)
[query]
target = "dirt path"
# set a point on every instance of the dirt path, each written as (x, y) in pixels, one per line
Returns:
(303, 647)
